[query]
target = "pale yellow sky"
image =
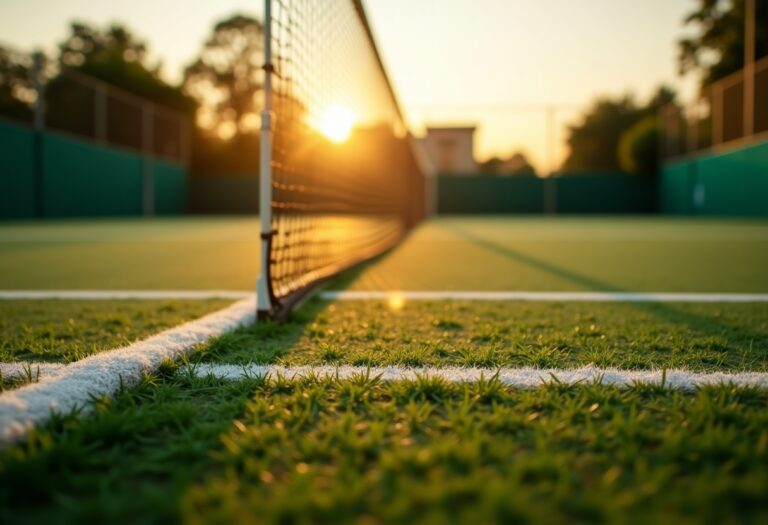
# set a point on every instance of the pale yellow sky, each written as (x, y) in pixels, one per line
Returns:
(494, 63)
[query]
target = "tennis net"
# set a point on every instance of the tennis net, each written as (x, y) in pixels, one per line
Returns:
(340, 183)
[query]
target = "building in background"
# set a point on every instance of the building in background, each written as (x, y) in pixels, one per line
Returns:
(449, 150)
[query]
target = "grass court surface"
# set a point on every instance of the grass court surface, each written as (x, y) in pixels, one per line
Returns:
(201, 449)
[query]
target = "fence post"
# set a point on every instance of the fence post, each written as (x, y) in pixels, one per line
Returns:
(717, 113)
(184, 139)
(749, 68)
(100, 113)
(674, 146)
(661, 136)
(550, 184)
(148, 139)
(39, 86)
(692, 129)
(550, 194)
(38, 67)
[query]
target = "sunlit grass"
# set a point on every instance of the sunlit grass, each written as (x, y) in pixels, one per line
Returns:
(704, 337)
(65, 331)
(201, 450)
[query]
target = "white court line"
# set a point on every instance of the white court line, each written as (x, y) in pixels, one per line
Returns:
(74, 385)
(92, 295)
(62, 388)
(525, 377)
(625, 297)
(413, 295)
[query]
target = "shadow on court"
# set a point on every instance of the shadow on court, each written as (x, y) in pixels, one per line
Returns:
(706, 325)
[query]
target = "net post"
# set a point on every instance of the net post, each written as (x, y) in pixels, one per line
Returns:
(263, 291)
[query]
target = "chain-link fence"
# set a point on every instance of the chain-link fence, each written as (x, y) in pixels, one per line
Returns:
(37, 91)
(725, 113)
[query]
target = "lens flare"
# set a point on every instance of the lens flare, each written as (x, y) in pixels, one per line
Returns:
(396, 301)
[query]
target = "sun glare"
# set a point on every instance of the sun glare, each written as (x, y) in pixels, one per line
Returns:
(337, 123)
(396, 301)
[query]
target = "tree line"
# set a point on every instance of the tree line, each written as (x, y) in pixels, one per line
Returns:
(620, 133)
(218, 91)
(617, 133)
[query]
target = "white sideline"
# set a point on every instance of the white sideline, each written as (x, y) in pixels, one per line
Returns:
(63, 388)
(625, 297)
(413, 295)
(74, 385)
(92, 295)
(526, 377)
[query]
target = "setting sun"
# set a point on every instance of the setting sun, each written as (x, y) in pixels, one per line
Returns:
(336, 123)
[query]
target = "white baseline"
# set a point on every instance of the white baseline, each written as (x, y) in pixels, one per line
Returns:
(623, 297)
(525, 377)
(412, 295)
(146, 295)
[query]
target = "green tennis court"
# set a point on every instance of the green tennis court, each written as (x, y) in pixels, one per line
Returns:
(454, 253)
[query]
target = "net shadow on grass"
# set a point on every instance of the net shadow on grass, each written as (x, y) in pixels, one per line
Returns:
(265, 341)
(707, 325)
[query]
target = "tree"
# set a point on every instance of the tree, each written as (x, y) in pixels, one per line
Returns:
(639, 147)
(87, 45)
(595, 143)
(516, 164)
(227, 76)
(116, 56)
(16, 88)
(717, 48)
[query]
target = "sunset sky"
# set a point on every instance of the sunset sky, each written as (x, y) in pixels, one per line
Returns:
(494, 63)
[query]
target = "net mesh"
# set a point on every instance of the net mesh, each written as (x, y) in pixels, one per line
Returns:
(345, 184)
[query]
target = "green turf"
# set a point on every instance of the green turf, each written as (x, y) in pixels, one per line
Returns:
(179, 448)
(607, 254)
(128, 463)
(361, 451)
(706, 337)
(130, 254)
(64, 331)
(429, 452)
(496, 253)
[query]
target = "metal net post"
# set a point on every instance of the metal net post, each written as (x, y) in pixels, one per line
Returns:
(264, 296)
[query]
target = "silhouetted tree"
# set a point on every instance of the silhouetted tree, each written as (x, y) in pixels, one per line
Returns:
(717, 48)
(227, 76)
(16, 87)
(594, 143)
(517, 164)
(639, 147)
(116, 56)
